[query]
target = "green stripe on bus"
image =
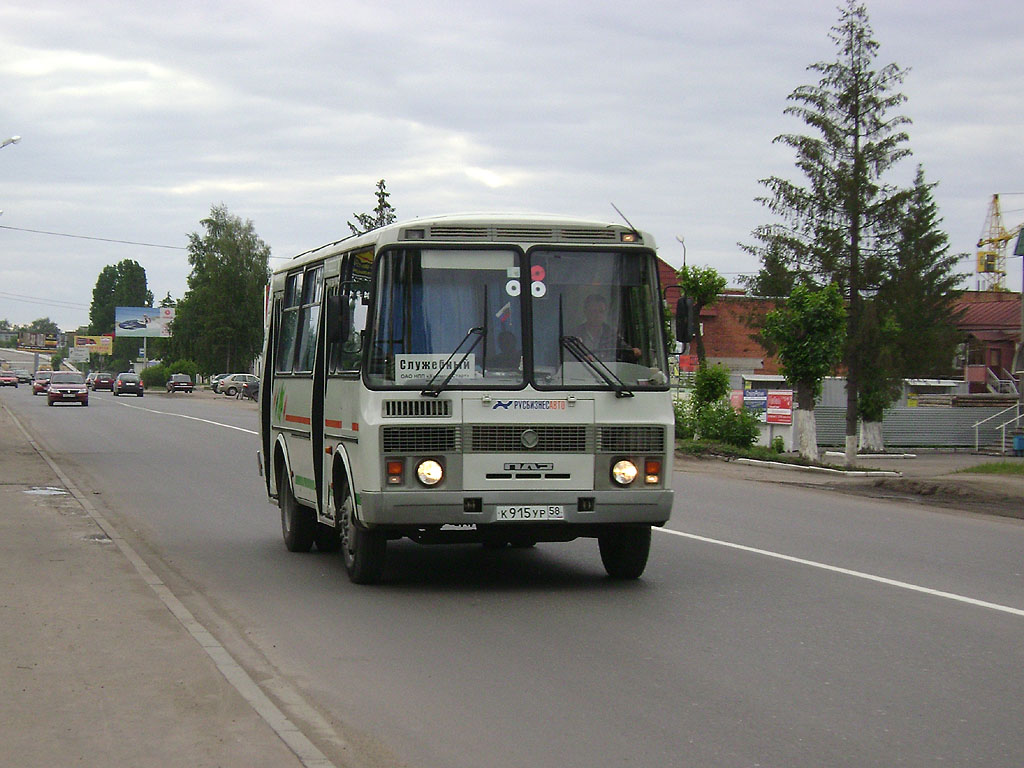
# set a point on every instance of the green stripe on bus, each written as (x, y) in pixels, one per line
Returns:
(305, 482)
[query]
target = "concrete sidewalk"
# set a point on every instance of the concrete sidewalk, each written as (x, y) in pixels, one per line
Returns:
(96, 670)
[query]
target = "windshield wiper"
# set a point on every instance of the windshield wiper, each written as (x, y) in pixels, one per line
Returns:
(431, 390)
(586, 356)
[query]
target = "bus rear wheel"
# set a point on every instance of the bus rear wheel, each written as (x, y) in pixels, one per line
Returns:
(298, 523)
(362, 549)
(624, 550)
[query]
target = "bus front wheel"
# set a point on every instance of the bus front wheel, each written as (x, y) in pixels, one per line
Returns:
(298, 523)
(624, 550)
(362, 549)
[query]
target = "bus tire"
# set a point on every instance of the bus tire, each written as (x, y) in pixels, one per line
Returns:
(298, 523)
(362, 549)
(624, 550)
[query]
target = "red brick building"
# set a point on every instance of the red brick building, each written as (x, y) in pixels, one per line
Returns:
(990, 323)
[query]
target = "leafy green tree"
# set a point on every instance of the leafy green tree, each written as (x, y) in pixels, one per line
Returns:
(219, 322)
(843, 225)
(807, 333)
(702, 285)
(43, 325)
(383, 213)
(119, 285)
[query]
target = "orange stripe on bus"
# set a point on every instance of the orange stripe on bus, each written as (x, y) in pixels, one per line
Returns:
(332, 423)
(296, 419)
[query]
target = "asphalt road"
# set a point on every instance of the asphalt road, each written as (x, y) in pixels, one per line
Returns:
(775, 626)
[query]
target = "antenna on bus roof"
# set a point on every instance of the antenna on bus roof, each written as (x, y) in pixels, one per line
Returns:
(637, 231)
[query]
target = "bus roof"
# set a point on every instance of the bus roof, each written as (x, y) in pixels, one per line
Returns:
(463, 228)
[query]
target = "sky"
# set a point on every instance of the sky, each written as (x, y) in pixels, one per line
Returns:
(137, 117)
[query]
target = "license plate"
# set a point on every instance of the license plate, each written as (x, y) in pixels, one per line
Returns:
(70, 395)
(529, 512)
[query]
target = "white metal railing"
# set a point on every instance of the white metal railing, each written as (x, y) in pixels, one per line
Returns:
(1000, 385)
(1001, 427)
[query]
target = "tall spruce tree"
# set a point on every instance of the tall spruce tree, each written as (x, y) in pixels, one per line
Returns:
(921, 287)
(383, 213)
(842, 225)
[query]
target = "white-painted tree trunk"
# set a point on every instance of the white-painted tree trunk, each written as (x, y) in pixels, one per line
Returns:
(805, 433)
(850, 454)
(871, 440)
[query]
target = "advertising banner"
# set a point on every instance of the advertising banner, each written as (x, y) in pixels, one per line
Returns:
(780, 406)
(97, 345)
(152, 322)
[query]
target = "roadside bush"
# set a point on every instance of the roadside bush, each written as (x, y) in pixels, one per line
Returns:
(708, 415)
(154, 377)
(182, 366)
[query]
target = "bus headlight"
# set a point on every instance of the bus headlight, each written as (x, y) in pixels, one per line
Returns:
(624, 472)
(429, 472)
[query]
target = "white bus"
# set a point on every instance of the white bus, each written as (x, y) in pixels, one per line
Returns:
(474, 378)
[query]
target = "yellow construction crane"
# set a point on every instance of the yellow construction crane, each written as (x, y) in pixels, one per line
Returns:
(992, 248)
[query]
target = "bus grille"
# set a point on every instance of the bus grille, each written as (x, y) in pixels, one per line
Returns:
(413, 408)
(508, 438)
(631, 439)
(420, 440)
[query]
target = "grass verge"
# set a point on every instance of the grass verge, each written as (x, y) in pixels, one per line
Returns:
(998, 468)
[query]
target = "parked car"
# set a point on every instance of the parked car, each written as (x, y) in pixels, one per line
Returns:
(250, 390)
(127, 383)
(41, 382)
(67, 387)
(179, 382)
(103, 381)
(232, 385)
(24, 377)
(8, 379)
(215, 380)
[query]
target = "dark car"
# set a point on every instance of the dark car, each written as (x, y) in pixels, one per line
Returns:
(8, 379)
(41, 382)
(67, 387)
(24, 377)
(250, 390)
(132, 325)
(179, 382)
(127, 384)
(103, 381)
(215, 380)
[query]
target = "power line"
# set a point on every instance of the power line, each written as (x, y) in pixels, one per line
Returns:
(39, 300)
(101, 239)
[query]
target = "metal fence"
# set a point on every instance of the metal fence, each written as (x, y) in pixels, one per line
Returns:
(915, 427)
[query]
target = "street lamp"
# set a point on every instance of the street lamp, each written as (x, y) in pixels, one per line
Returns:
(12, 140)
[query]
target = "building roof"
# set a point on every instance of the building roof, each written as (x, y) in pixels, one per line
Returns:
(1000, 314)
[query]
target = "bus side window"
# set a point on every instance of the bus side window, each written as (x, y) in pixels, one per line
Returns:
(309, 320)
(346, 353)
(289, 321)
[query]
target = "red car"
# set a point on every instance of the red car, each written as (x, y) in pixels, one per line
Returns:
(103, 381)
(67, 387)
(41, 382)
(8, 379)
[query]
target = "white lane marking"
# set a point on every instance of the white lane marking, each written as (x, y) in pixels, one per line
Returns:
(849, 572)
(191, 418)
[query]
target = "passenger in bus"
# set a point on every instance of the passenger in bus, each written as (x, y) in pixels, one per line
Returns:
(599, 337)
(508, 356)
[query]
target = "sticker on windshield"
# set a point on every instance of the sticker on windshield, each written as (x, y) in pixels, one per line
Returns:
(420, 367)
(512, 288)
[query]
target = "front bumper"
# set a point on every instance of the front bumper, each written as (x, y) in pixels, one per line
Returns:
(427, 508)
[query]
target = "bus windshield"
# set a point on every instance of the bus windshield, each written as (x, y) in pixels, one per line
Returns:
(457, 317)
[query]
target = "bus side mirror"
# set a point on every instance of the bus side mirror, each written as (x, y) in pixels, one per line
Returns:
(686, 319)
(337, 320)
